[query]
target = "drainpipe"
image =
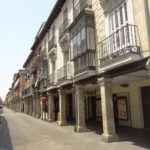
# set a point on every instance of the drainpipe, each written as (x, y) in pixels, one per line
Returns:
(147, 19)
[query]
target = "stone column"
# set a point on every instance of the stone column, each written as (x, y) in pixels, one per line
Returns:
(50, 107)
(62, 108)
(38, 109)
(80, 109)
(41, 108)
(34, 106)
(27, 108)
(109, 131)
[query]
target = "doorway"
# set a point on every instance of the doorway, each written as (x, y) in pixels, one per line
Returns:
(70, 109)
(93, 113)
(145, 93)
(121, 109)
(56, 107)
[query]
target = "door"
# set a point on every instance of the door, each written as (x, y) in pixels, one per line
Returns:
(56, 107)
(145, 92)
(70, 108)
(90, 109)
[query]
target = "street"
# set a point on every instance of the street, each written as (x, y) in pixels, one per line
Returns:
(21, 132)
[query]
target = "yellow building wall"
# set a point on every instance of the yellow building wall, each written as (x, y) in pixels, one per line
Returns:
(135, 100)
(141, 19)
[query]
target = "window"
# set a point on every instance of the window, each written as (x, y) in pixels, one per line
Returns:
(118, 18)
(65, 17)
(90, 38)
(118, 31)
(81, 42)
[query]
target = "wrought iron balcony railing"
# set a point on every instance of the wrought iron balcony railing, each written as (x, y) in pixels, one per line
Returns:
(27, 92)
(122, 42)
(85, 62)
(81, 5)
(66, 72)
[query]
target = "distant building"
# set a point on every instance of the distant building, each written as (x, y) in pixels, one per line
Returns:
(1, 102)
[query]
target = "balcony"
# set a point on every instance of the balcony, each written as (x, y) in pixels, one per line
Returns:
(81, 5)
(85, 62)
(27, 92)
(52, 79)
(122, 43)
(52, 43)
(66, 72)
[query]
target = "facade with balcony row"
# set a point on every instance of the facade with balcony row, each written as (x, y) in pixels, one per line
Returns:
(89, 66)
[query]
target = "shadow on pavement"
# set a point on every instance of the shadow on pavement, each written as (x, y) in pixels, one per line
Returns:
(140, 138)
(5, 139)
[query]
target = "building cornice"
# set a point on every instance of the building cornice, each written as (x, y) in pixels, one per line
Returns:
(54, 13)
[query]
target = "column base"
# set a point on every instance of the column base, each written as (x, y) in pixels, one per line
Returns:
(80, 129)
(51, 120)
(37, 116)
(62, 123)
(110, 138)
(33, 114)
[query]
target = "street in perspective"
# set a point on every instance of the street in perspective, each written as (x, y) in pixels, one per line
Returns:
(83, 83)
(21, 132)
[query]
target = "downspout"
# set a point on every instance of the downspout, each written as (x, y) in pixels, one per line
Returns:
(147, 19)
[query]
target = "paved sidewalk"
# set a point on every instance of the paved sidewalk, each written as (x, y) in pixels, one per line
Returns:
(22, 132)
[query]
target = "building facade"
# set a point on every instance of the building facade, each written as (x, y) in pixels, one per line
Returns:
(92, 66)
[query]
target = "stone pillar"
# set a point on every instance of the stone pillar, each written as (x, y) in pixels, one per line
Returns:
(38, 109)
(80, 109)
(50, 107)
(26, 106)
(109, 131)
(62, 108)
(34, 106)
(41, 108)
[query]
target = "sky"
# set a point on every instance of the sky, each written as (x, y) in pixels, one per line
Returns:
(19, 23)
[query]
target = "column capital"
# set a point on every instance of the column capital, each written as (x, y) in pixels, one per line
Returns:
(49, 94)
(61, 91)
(79, 87)
(102, 81)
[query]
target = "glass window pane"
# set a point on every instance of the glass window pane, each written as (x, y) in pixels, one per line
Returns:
(121, 15)
(116, 19)
(90, 38)
(126, 12)
(83, 40)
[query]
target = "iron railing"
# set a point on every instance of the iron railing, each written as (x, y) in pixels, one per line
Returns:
(66, 72)
(27, 92)
(85, 62)
(78, 7)
(122, 42)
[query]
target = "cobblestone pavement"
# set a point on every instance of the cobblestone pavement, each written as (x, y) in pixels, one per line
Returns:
(22, 132)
